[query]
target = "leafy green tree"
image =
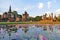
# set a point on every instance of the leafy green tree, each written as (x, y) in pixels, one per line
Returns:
(58, 18)
(38, 18)
(15, 13)
(20, 16)
(31, 19)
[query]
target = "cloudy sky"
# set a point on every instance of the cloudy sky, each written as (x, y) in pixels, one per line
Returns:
(33, 7)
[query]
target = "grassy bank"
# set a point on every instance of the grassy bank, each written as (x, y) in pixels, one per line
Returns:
(29, 23)
(18, 22)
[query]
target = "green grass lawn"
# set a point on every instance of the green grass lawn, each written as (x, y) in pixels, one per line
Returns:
(16, 22)
(29, 23)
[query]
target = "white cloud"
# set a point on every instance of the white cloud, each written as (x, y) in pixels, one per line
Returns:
(57, 12)
(17, 9)
(49, 5)
(40, 5)
(48, 13)
(1, 13)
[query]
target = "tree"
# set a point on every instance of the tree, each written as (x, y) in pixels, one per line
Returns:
(58, 18)
(15, 13)
(31, 19)
(20, 16)
(38, 18)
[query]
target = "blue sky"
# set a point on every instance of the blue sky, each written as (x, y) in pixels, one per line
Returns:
(33, 7)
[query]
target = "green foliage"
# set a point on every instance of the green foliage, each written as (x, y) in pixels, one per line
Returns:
(31, 19)
(38, 18)
(58, 18)
(20, 16)
(15, 13)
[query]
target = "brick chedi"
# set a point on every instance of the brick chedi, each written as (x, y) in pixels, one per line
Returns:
(25, 16)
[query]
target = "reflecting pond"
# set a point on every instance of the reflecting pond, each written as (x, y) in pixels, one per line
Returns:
(32, 33)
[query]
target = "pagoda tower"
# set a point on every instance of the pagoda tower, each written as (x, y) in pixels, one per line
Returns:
(9, 12)
(9, 9)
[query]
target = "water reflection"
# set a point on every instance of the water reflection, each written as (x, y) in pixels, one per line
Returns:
(31, 33)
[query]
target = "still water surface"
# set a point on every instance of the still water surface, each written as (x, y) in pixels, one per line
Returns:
(33, 33)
